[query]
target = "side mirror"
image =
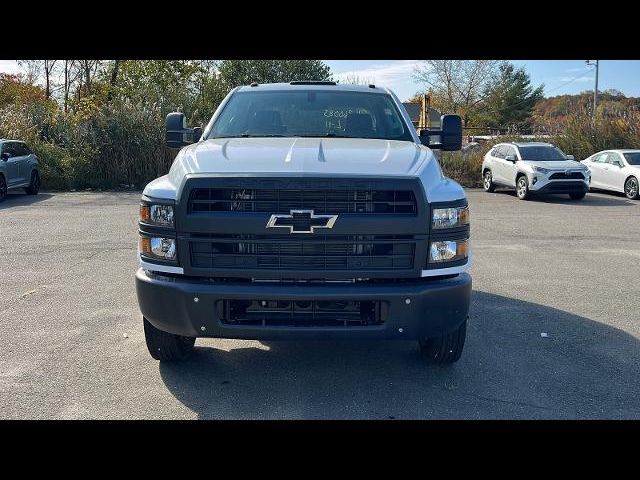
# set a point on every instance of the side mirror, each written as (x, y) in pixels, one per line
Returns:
(450, 134)
(511, 158)
(4, 156)
(571, 157)
(177, 135)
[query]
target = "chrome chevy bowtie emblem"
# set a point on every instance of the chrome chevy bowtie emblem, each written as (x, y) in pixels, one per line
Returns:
(301, 221)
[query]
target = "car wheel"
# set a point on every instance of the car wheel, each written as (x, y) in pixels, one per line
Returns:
(444, 349)
(577, 196)
(489, 186)
(3, 188)
(522, 187)
(165, 346)
(631, 188)
(34, 186)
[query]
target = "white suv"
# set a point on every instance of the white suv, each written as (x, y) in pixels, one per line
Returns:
(539, 168)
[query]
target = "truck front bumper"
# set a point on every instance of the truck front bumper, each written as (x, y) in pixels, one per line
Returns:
(421, 308)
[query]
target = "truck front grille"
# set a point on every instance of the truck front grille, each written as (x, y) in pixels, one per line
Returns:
(301, 313)
(322, 252)
(321, 201)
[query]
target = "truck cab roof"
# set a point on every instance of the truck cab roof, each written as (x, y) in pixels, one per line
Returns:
(330, 86)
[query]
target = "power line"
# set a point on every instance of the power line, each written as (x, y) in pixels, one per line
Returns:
(567, 83)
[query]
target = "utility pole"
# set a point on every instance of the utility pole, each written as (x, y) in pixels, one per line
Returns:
(595, 91)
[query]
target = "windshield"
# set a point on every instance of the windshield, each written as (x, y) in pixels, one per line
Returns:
(542, 153)
(310, 113)
(632, 158)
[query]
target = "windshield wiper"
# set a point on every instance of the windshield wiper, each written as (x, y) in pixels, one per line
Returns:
(248, 135)
(331, 135)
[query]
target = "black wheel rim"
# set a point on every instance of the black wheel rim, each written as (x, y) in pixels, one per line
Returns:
(632, 188)
(3, 188)
(35, 181)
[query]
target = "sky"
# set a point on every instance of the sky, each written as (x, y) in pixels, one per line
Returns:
(558, 76)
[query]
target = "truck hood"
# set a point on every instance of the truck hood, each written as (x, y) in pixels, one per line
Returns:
(331, 157)
(334, 156)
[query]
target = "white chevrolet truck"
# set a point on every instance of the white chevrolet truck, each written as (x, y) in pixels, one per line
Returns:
(306, 210)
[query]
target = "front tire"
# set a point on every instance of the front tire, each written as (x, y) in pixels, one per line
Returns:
(577, 196)
(165, 346)
(445, 349)
(34, 185)
(522, 188)
(487, 180)
(631, 189)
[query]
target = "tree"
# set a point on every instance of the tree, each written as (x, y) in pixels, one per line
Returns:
(169, 84)
(509, 99)
(457, 86)
(40, 68)
(89, 69)
(243, 72)
(19, 90)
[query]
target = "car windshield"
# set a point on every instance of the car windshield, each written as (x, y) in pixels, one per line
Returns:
(633, 158)
(310, 113)
(542, 153)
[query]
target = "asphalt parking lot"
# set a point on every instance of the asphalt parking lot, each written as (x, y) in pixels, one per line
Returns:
(72, 344)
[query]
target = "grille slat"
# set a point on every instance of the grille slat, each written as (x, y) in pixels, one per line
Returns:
(371, 252)
(320, 201)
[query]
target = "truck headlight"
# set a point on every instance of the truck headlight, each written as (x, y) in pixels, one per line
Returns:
(541, 170)
(158, 248)
(161, 215)
(448, 251)
(450, 217)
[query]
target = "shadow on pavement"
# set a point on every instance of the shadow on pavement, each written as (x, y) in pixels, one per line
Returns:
(590, 200)
(581, 369)
(19, 199)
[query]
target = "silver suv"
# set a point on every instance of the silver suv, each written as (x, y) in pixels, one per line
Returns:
(539, 168)
(18, 168)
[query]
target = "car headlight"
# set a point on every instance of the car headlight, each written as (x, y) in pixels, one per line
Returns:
(541, 170)
(160, 215)
(159, 248)
(448, 251)
(450, 217)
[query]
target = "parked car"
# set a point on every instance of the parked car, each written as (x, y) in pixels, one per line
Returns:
(306, 210)
(534, 168)
(615, 170)
(18, 168)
